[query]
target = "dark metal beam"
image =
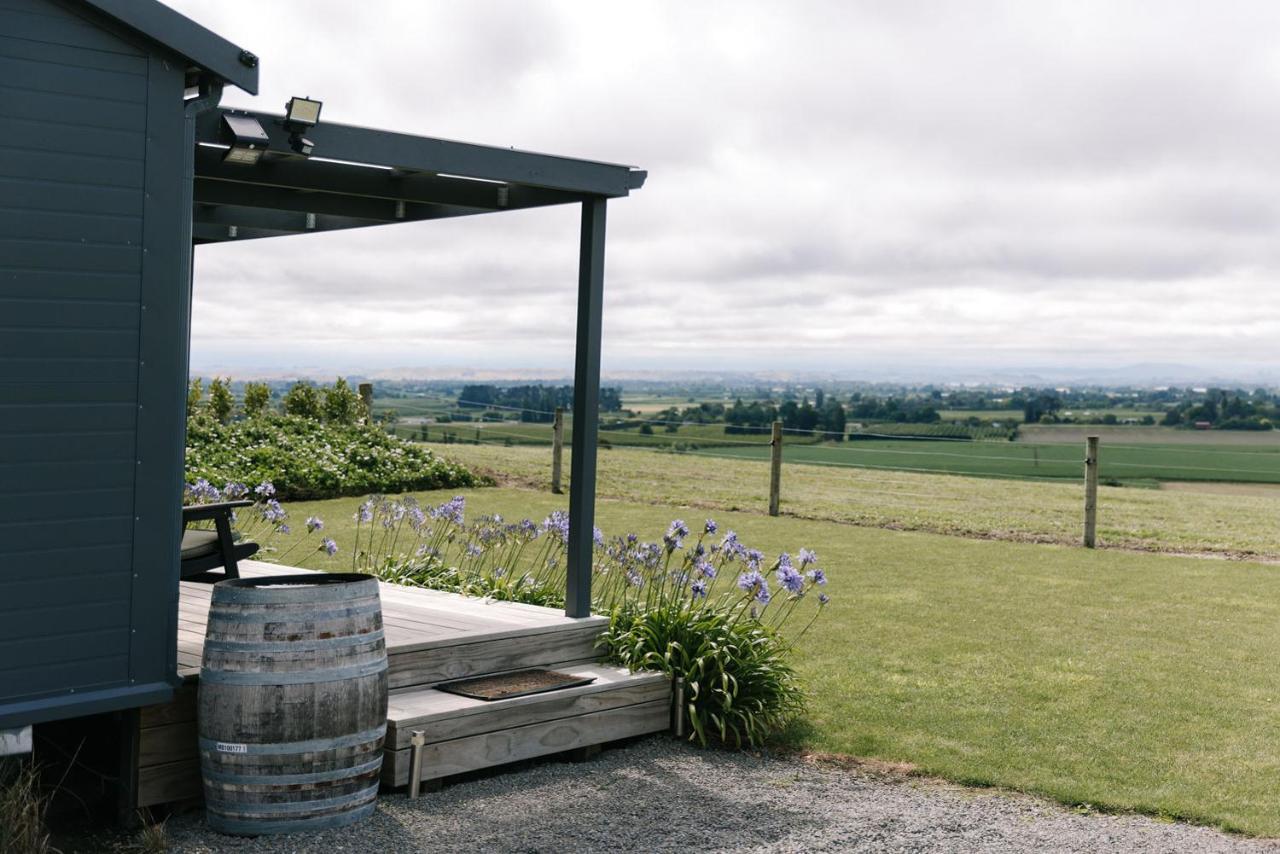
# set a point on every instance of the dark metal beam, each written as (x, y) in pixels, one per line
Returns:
(296, 173)
(288, 222)
(586, 410)
(214, 192)
(428, 154)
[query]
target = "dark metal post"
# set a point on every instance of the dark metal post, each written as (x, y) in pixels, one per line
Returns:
(586, 415)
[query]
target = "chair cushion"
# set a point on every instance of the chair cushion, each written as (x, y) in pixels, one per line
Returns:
(199, 544)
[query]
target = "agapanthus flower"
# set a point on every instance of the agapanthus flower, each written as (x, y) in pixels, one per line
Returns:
(710, 526)
(698, 589)
(791, 580)
(272, 511)
(234, 489)
(558, 524)
(755, 558)
(750, 580)
(474, 550)
(329, 546)
(807, 557)
(817, 576)
(283, 529)
(265, 489)
(823, 598)
(705, 569)
(597, 536)
(365, 513)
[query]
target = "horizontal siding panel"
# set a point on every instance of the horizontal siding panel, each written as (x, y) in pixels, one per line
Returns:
(60, 29)
(47, 135)
(43, 74)
(62, 284)
(72, 198)
(34, 506)
(108, 559)
(67, 343)
(78, 395)
(22, 652)
(53, 225)
(66, 417)
(65, 168)
(47, 313)
(32, 536)
(55, 448)
(73, 57)
(34, 680)
(69, 255)
(75, 613)
(78, 111)
(29, 477)
(67, 370)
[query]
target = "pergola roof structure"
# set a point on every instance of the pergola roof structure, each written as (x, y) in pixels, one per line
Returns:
(356, 177)
(360, 177)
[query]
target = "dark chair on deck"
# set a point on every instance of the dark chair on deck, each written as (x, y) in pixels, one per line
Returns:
(203, 550)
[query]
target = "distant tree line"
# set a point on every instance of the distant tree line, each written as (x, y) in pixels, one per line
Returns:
(536, 403)
(757, 417)
(1225, 410)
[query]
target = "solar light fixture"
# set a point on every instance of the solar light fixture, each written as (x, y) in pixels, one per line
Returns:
(248, 139)
(301, 114)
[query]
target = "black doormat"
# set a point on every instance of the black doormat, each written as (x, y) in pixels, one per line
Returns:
(517, 684)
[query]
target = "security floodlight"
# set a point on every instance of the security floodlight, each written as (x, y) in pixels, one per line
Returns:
(302, 113)
(248, 139)
(299, 115)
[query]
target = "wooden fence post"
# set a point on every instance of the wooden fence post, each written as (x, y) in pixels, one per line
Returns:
(775, 469)
(557, 449)
(1091, 492)
(366, 399)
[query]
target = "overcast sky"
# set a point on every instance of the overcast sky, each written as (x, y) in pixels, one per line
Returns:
(843, 186)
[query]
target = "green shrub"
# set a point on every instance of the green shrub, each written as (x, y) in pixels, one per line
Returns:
(739, 687)
(306, 459)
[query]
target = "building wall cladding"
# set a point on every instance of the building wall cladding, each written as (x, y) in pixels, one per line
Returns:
(82, 254)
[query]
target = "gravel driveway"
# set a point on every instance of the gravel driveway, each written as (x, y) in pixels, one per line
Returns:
(660, 795)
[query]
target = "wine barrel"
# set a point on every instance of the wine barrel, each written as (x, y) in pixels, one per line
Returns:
(292, 702)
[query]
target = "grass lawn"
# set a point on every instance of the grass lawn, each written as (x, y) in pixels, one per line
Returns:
(1148, 519)
(1125, 681)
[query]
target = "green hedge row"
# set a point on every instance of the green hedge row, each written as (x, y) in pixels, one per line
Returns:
(307, 459)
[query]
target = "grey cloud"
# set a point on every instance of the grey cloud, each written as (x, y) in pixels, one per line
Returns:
(838, 182)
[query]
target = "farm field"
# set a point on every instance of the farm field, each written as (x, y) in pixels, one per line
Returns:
(1120, 463)
(987, 508)
(1123, 681)
(1137, 435)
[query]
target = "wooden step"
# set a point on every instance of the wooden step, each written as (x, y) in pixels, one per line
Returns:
(465, 734)
(424, 664)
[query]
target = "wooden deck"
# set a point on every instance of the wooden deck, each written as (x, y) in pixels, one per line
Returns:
(431, 637)
(416, 622)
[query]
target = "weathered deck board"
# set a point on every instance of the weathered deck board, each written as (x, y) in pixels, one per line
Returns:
(461, 755)
(416, 620)
(443, 716)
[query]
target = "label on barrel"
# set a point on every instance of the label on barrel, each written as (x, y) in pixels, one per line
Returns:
(227, 747)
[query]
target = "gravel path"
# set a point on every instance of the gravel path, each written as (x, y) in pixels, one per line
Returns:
(660, 795)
